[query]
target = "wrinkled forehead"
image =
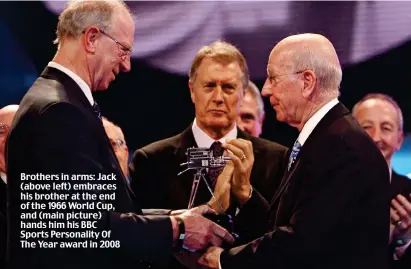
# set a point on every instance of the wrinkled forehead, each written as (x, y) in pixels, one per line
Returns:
(279, 61)
(249, 101)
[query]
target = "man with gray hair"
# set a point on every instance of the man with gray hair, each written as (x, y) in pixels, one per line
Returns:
(251, 117)
(331, 210)
(57, 132)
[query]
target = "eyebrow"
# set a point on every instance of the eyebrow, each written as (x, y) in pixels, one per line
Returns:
(388, 123)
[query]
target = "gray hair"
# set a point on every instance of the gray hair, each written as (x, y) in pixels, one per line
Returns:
(383, 97)
(255, 93)
(329, 73)
(78, 15)
(221, 52)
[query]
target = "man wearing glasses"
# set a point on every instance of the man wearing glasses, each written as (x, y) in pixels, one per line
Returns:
(118, 142)
(6, 118)
(58, 129)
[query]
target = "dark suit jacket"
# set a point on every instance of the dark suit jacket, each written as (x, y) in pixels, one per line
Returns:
(154, 170)
(401, 185)
(334, 210)
(56, 131)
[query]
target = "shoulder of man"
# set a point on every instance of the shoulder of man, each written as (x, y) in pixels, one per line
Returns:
(165, 146)
(264, 145)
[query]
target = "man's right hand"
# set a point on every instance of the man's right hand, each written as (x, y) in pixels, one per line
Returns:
(201, 232)
(222, 189)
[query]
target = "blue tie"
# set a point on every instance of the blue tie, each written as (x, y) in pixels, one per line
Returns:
(97, 110)
(294, 154)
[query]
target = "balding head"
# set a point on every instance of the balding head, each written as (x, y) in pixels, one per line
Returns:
(314, 52)
(6, 119)
(118, 142)
(7, 114)
(304, 74)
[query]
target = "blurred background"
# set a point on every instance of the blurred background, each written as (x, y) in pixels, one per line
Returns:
(152, 102)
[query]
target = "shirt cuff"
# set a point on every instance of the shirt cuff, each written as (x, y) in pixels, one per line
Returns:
(237, 210)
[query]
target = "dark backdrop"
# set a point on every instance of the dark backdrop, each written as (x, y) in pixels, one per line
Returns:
(150, 104)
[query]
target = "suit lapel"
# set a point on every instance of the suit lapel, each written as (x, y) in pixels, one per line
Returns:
(76, 95)
(319, 131)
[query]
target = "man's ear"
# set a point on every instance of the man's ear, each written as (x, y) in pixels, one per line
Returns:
(190, 86)
(400, 140)
(310, 81)
(91, 35)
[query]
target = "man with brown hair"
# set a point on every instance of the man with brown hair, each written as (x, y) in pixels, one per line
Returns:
(217, 80)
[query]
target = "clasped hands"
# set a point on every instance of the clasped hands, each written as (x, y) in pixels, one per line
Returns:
(200, 232)
(233, 180)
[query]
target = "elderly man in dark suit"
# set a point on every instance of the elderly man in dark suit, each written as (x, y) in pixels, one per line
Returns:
(58, 130)
(381, 117)
(217, 80)
(331, 210)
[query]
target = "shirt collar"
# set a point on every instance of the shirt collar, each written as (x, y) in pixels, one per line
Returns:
(314, 120)
(203, 140)
(81, 83)
(3, 177)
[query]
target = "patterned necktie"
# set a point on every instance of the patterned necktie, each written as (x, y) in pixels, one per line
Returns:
(213, 173)
(294, 154)
(97, 110)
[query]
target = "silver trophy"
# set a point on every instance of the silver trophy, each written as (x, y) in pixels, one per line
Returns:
(201, 159)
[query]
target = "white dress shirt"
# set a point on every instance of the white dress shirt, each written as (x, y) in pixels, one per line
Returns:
(314, 120)
(3, 177)
(203, 140)
(81, 83)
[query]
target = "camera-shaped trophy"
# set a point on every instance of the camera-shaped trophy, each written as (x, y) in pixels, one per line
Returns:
(201, 159)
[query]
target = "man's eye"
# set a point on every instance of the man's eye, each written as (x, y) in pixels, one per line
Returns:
(247, 116)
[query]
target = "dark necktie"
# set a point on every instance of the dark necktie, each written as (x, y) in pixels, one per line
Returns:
(96, 110)
(213, 173)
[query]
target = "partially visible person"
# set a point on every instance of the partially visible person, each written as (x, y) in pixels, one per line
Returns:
(58, 130)
(331, 210)
(7, 114)
(381, 117)
(251, 117)
(118, 142)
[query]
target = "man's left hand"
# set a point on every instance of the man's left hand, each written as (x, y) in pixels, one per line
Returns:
(400, 214)
(211, 258)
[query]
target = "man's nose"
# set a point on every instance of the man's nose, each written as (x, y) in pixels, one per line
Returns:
(218, 95)
(125, 65)
(266, 91)
(375, 134)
